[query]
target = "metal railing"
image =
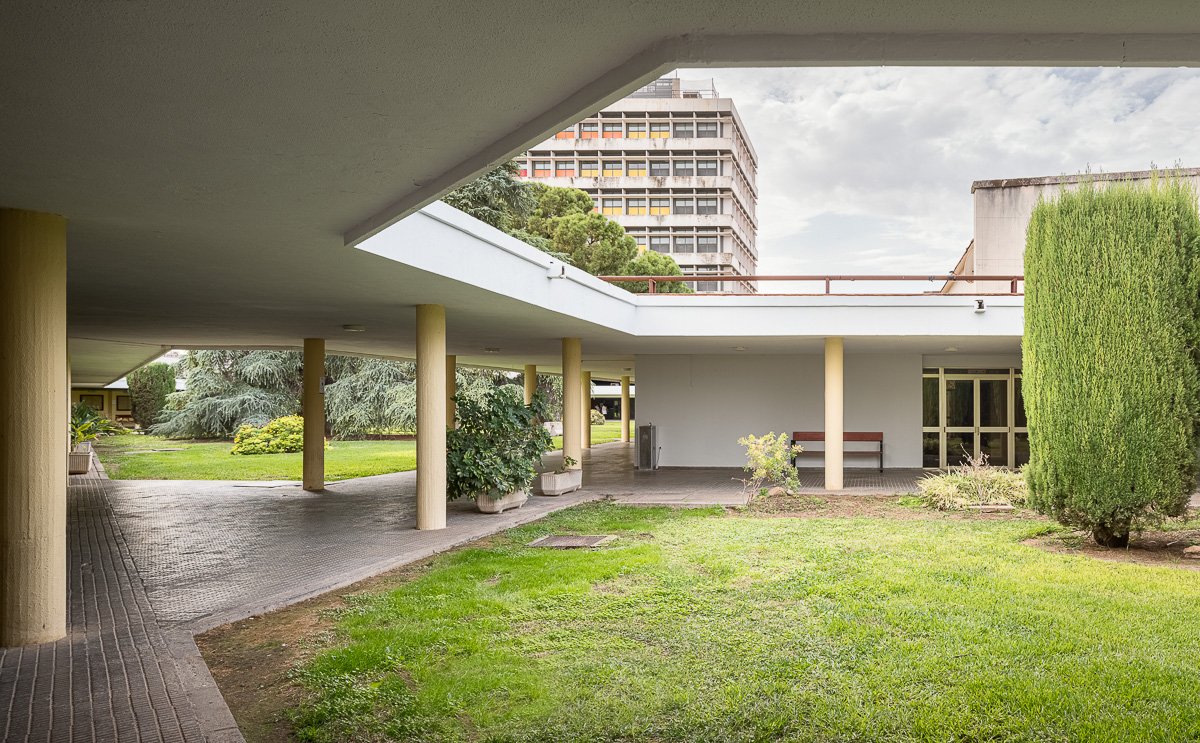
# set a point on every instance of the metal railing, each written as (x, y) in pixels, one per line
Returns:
(1013, 281)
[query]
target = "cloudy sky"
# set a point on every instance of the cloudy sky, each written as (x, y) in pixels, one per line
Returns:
(869, 170)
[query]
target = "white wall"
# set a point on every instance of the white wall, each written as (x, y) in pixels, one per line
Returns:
(703, 404)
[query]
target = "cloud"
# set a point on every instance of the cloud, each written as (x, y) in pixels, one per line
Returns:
(857, 160)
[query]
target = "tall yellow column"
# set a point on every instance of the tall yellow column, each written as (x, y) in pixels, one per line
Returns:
(834, 424)
(33, 433)
(451, 389)
(314, 414)
(530, 382)
(572, 358)
(431, 416)
(586, 393)
(625, 409)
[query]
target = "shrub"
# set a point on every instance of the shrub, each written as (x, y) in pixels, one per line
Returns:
(148, 388)
(1110, 380)
(973, 484)
(87, 425)
(769, 462)
(498, 444)
(280, 436)
(597, 418)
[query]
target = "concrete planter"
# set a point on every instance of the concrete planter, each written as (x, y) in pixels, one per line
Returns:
(496, 503)
(80, 460)
(558, 483)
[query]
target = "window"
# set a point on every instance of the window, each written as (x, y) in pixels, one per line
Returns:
(635, 168)
(636, 131)
(589, 168)
(565, 168)
(685, 129)
(95, 402)
(611, 207)
(708, 206)
(568, 133)
(660, 130)
(685, 206)
(707, 167)
(589, 130)
(660, 206)
(595, 204)
(708, 244)
(685, 244)
(660, 244)
(541, 168)
(685, 167)
(612, 131)
(124, 404)
(524, 171)
(612, 168)
(708, 286)
(641, 243)
(636, 206)
(708, 129)
(659, 168)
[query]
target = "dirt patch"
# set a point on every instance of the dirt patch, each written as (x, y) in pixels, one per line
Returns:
(251, 660)
(1161, 548)
(866, 506)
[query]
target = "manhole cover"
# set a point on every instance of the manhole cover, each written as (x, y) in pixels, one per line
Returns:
(570, 541)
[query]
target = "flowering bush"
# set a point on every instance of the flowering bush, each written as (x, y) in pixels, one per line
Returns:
(281, 435)
(769, 462)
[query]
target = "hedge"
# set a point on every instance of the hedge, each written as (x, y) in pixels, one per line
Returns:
(1111, 386)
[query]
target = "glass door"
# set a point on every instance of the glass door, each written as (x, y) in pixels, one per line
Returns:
(969, 412)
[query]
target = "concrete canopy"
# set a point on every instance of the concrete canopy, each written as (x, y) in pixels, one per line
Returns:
(215, 160)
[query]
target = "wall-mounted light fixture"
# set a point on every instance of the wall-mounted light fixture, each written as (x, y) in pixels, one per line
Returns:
(556, 270)
(980, 308)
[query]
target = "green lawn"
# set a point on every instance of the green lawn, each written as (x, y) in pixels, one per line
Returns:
(698, 626)
(602, 434)
(211, 460)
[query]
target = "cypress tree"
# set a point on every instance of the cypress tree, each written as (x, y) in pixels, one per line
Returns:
(148, 390)
(1111, 386)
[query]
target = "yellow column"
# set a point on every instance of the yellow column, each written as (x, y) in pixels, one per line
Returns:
(314, 414)
(33, 435)
(834, 425)
(572, 357)
(530, 382)
(586, 392)
(451, 389)
(431, 416)
(625, 409)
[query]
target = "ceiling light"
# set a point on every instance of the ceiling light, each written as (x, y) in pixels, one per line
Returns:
(491, 349)
(951, 349)
(354, 328)
(739, 348)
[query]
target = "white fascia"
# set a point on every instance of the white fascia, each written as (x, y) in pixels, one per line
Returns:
(443, 240)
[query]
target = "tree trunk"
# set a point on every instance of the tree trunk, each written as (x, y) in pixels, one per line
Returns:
(1111, 535)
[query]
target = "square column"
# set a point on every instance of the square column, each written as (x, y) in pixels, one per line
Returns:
(33, 427)
(572, 358)
(625, 409)
(586, 392)
(451, 390)
(530, 382)
(834, 423)
(431, 416)
(314, 414)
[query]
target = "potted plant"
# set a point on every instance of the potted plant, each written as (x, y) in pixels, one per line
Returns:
(562, 480)
(494, 454)
(86, 425)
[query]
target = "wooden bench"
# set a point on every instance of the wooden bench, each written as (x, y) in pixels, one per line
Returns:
(871, 437)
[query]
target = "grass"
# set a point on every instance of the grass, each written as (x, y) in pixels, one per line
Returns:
(698, 626)
(602, 434)
(211, 460)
